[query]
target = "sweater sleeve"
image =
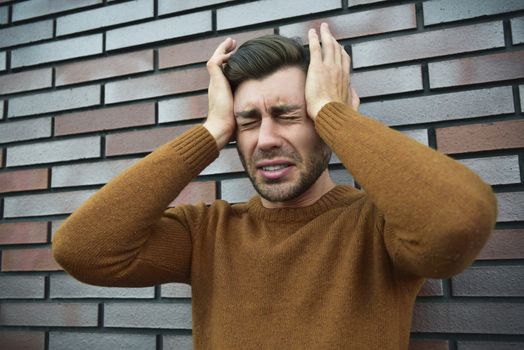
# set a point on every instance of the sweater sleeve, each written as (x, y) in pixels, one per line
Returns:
(436, 213)
(121, 235)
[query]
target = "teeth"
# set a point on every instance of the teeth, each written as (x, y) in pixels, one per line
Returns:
(274, 167)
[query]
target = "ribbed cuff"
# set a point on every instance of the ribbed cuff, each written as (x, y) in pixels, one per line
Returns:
(331, 118)
(197, 147)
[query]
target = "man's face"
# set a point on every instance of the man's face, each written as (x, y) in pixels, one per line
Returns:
(276, 140)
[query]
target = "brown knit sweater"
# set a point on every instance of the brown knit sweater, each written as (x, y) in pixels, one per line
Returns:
(340, 274)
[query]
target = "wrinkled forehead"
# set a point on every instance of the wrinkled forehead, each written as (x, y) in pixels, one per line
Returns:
(285, 86)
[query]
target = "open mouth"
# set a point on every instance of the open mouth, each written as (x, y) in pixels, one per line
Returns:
(274, 170)
(274, 167)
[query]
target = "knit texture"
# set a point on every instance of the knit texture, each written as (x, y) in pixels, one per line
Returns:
(342, 273)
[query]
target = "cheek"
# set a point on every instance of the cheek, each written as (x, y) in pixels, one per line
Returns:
(245, 144)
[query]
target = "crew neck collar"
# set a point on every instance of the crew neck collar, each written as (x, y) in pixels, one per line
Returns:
(337, 196)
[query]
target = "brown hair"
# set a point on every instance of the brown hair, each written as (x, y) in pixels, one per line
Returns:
(260, 57)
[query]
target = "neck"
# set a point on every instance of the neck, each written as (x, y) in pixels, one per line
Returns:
(323, 185)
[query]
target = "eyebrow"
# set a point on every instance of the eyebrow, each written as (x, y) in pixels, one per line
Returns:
(280, 109)
(247, 114)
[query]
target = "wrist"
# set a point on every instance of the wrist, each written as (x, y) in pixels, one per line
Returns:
(315, 108)
(220, 134)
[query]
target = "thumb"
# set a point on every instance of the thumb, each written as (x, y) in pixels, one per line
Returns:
(355, 100)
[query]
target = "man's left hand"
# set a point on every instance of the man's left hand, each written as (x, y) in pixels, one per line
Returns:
(328, 78)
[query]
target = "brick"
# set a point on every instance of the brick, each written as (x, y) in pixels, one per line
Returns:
(431, 288)
(157, 85)
(179, 342)
(25, 81)
(64, 286)
(55, 224)
(104, 17)
(141, 141)
(148, 315)
(342, 176)
(428, 44)
(448, 106)
(176, 290)
(196, 192)
(227, 162)
(49, 314)
(26, 33)
(36, 8)
(496, 170)
(417, 344)
(442, 11)
(22, 340)
(54, 101)
(169, 6)
(29, 129)
(23, 232)
(54, 151)
(80, 340)
(269, 10)
(105, 119)
(157, 30)
(387, 81)
(352, 3)
(489, 281)
(200, 50)
(420, 135)
(237, 190)
(334, 159)
(22, 287)
(57, 50)
(23, 180)
(488, 345)
(4, 15)
(32, 259)
(511, 206)
(517, 30)
(521, 95)
(363, 23)
(503, 245)
(471, 317)
(182, 108)
(96, 173)
(2, 61)
(475, 70)
(44, 204)
(481, 137)
(106, 67)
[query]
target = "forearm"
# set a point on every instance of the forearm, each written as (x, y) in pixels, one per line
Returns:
(121, 222)
(437, 213)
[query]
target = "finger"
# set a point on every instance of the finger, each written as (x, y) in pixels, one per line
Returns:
(355, 100)
(223, 47)
(346, 62)
(315, 52)
(337, 53)
(221, 55)
(327, 43)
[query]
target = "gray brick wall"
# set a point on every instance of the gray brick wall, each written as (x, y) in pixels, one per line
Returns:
(88, 87)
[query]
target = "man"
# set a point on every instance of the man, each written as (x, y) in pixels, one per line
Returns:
(307, 264)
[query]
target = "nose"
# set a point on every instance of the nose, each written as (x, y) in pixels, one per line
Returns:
(269, 134)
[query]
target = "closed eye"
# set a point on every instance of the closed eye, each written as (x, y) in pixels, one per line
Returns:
(247, 124)
(290, 117)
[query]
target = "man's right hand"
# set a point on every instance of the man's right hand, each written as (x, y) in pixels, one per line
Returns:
(220, 119)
